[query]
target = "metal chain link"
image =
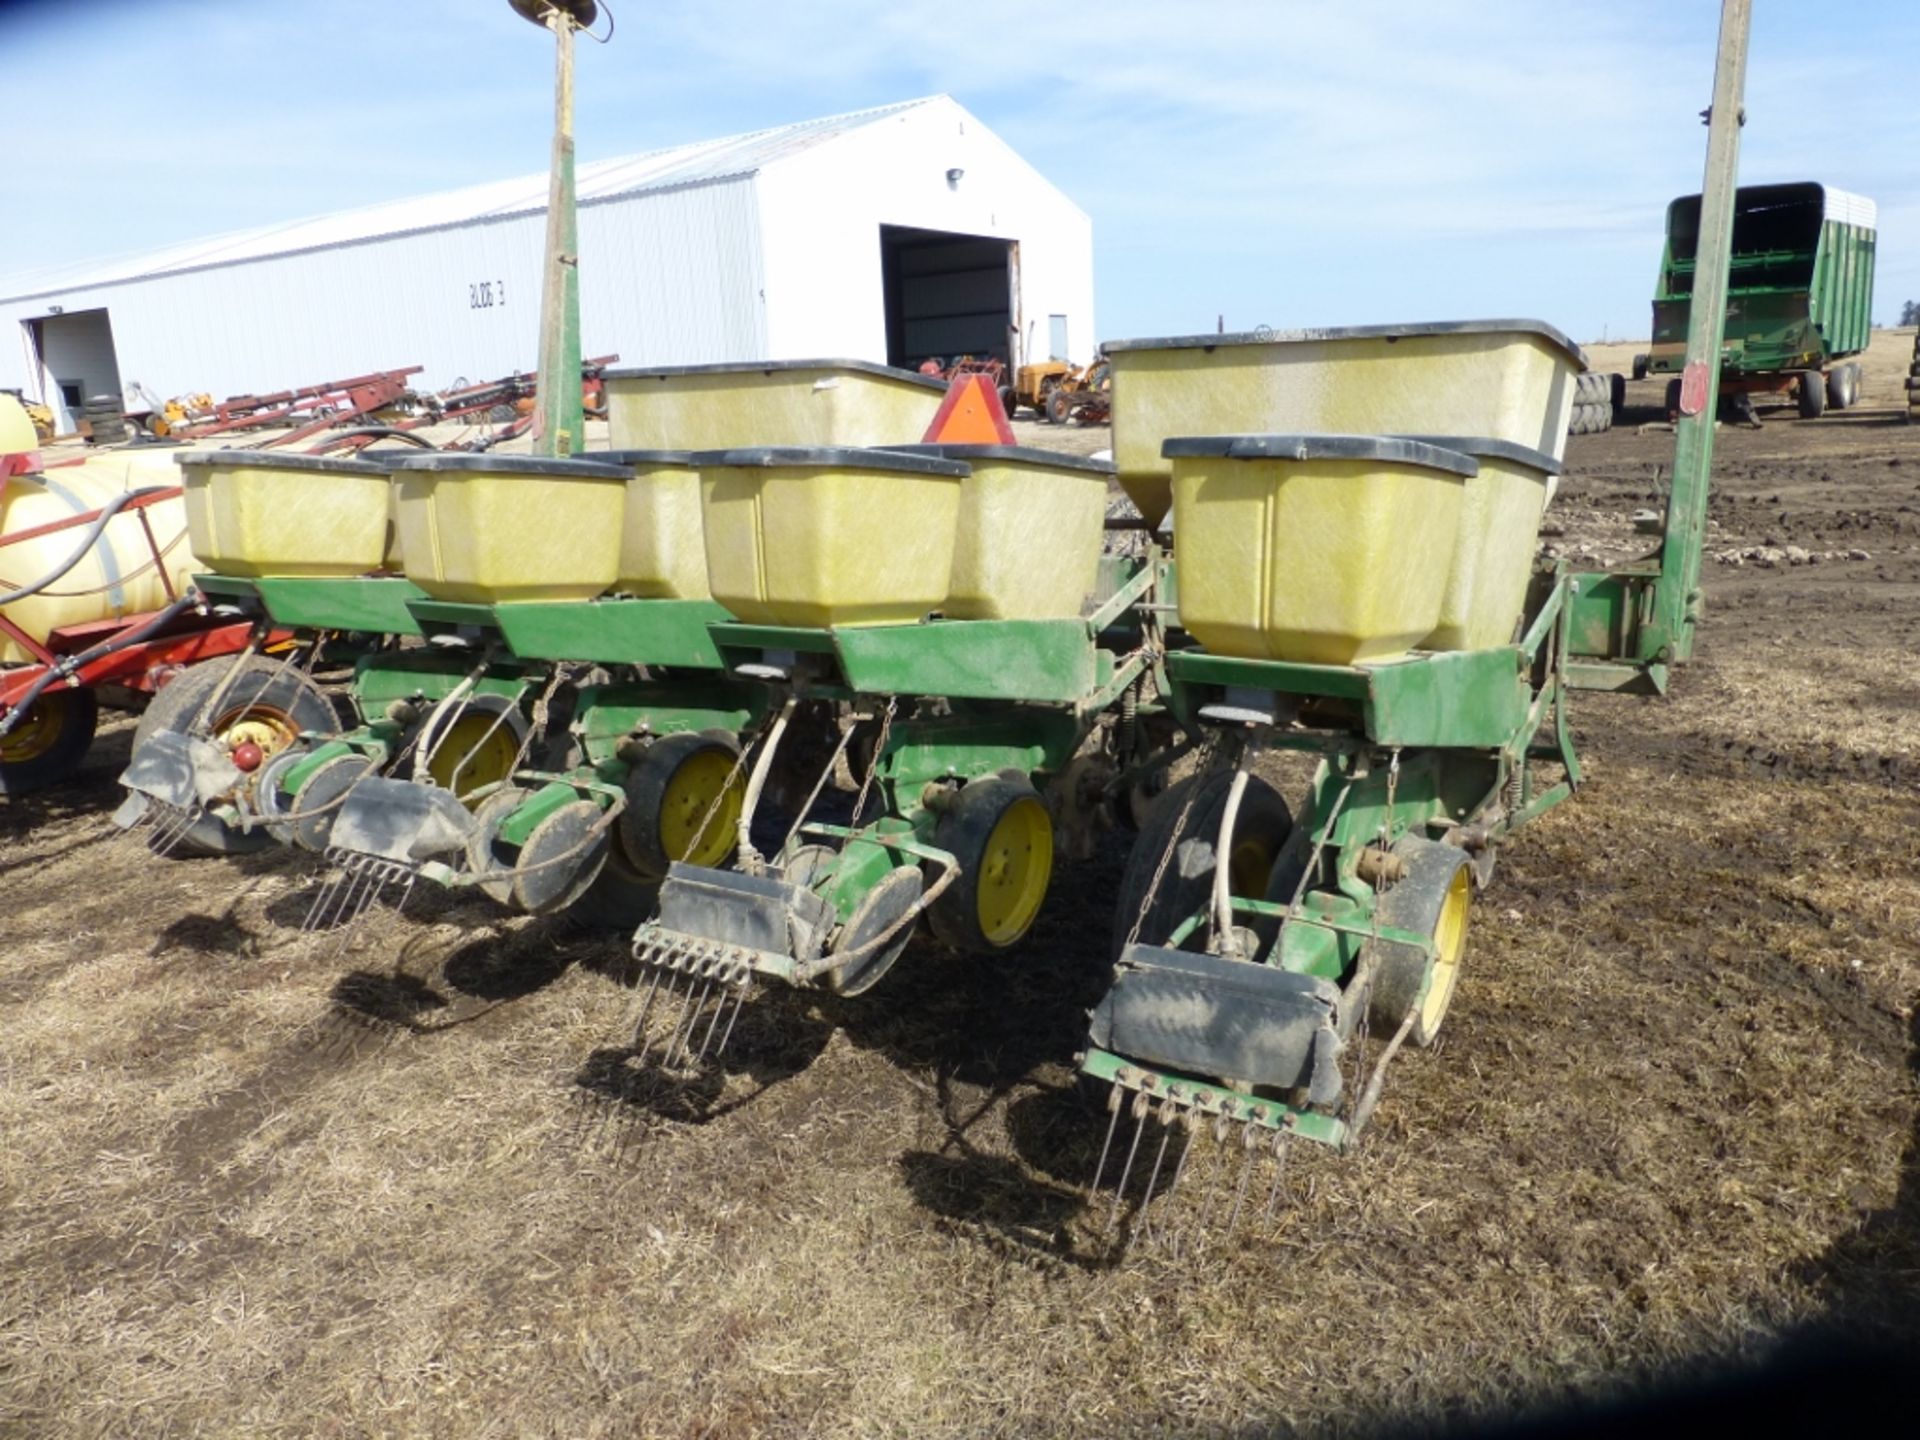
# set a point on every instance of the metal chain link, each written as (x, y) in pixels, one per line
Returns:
(1207, 753)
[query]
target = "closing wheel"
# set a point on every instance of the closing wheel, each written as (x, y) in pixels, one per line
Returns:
(486, 858)
(268, 704)
(50, 741)
(317, 803)
(877, 911)
(1433, 898)
(683, 802)
(477, 748)
(269, 800)
(1000, 832)
(561, 859)
(1186, 887)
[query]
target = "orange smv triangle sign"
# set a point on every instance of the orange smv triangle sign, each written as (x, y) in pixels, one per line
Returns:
(970, 415)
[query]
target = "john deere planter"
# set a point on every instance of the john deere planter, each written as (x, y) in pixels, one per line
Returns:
(960, 740)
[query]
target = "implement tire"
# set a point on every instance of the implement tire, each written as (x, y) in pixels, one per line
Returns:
(1261, 833)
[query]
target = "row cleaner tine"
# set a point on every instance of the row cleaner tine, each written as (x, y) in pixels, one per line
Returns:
(741, 984)
(1141, 1103)
(1114, 1094)
(1249, 1146)
(1153, 1176)
(1282, 1143)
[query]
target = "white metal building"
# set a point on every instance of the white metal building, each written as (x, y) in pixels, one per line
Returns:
(889, 234)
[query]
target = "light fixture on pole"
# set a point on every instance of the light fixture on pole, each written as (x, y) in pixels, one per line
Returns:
(559, 419)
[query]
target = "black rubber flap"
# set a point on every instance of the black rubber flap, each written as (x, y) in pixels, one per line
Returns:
(755, 912)
(641, 457)
(774, 367)
(1210, 1016)
(1353, 332)
(577, 469)
(1321, 447)
(761, 457)
(279, 460)
(1018, 454)
(1485, 447)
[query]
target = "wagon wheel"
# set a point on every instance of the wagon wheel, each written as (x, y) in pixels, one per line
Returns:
(49, 742)
(268, 705)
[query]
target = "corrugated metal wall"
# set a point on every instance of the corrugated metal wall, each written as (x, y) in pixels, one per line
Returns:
(667, 278)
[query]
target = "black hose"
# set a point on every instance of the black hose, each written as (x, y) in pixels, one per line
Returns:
(371, 432)
(68, 664)
(107, 512)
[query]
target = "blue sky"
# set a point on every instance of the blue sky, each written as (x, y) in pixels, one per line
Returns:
(1280, 163)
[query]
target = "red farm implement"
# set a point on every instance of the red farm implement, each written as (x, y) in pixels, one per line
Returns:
(50, 705)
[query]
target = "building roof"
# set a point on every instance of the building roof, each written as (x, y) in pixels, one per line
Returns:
(700, 163)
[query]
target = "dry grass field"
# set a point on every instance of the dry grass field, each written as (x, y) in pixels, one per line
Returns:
(259, 1184)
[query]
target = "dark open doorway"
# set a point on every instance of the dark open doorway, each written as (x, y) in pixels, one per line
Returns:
(77, 360)
(946, 295)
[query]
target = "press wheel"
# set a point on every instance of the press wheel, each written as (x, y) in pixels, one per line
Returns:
(671, 815)
(1434, 898)
(1000, 832)
(477, 748)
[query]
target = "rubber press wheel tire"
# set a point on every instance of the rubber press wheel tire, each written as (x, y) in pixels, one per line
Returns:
(1000, 832)
(1260, 833)
(1434, 898)
(50, 741)
(572, 853)
(1813, 394)
(898, 891)
(267, 703)
(669, 793)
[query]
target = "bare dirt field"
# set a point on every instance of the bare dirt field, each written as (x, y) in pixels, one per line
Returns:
(254, 1185)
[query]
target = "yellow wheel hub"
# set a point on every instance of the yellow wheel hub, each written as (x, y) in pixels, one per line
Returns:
(491, 758)
(1015, 867)
(1449, 944)
(1249, 866)
(38, 732)
(687, 834)
(271, 732)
